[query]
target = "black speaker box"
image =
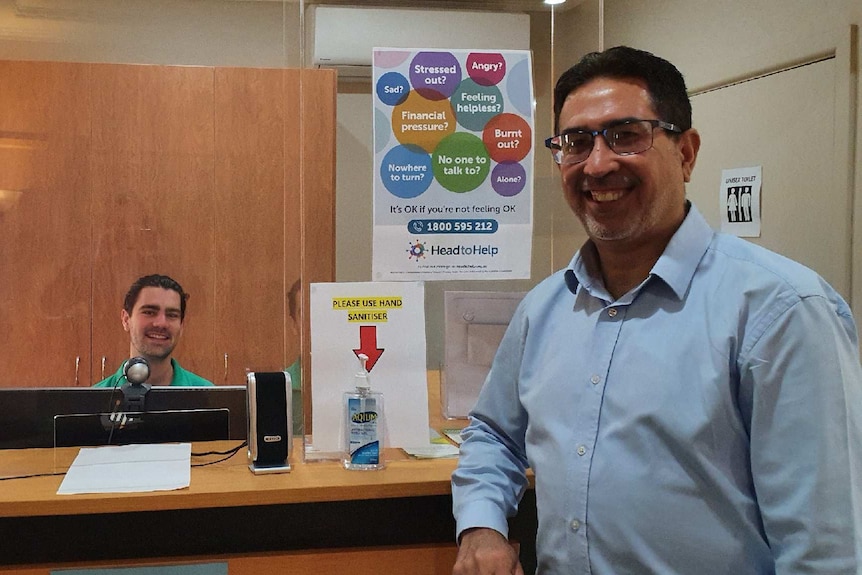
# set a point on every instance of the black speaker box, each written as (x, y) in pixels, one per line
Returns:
(270, 430)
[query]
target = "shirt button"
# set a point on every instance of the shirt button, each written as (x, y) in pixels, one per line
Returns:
(575, 525)
(612, 312)
(581, 450)
(595, 379)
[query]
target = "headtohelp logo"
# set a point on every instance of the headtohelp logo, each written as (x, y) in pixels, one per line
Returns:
(462, 250)
(416, 250)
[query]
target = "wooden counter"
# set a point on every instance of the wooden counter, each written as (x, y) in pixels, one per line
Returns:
(318, 515)
(225, 484)
(226, 509)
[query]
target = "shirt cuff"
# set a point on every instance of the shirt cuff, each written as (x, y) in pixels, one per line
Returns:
(481, 514)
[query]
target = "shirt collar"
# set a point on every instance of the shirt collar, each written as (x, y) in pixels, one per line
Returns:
(675, 267)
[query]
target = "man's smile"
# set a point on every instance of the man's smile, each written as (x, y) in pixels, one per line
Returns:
(609, 188)
(606, 196)
(157, 335)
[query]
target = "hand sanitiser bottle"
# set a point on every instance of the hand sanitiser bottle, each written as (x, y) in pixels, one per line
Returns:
(363, 421)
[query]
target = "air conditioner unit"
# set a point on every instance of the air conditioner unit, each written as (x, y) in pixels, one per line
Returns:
(344, 37)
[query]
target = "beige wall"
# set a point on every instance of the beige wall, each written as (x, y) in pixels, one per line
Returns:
(716, 43)
(182, 32)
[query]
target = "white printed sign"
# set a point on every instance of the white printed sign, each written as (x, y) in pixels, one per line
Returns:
(453, 164)
(386, 322)
(739, 200)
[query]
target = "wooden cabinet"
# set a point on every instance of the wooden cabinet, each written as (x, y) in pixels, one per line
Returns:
(250, 211)
(194, 172)
(152, 180)
(44, 224)
(420, 559)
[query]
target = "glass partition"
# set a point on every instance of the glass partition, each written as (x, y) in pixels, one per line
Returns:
(356, 165)
(144, 137)
(169, 136)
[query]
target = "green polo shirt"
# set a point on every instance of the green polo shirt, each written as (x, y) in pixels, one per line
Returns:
(182, 378)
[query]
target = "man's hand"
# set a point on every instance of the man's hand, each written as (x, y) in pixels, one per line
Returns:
(486, 552)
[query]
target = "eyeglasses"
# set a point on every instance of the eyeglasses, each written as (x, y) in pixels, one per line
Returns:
(624, 138)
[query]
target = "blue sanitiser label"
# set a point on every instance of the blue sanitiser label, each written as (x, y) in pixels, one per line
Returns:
(364, 445)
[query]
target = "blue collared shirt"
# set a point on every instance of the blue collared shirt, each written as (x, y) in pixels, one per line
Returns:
(707, 422)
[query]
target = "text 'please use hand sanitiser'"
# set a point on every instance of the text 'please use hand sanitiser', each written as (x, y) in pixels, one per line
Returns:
(363, 423)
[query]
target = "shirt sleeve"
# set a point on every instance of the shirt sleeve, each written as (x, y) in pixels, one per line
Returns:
(801, 392)
(491, 475)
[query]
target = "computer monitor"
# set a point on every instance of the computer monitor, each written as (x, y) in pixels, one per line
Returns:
(32, 417)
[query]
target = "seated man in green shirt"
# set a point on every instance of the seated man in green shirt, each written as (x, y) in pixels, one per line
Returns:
(153, 314)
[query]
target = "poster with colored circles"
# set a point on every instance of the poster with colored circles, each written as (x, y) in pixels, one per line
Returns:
(453, 164)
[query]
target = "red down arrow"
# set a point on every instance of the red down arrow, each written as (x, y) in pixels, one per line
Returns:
(368, 345)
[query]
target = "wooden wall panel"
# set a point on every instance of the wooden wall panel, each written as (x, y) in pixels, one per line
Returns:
(293, 232)
(318, 175)
(317, 210)
(115, 175)
(296, 281)
(406, 560)
(44, 228)
(395, 560)
(223, 178)
(250, 234)
(153, 208)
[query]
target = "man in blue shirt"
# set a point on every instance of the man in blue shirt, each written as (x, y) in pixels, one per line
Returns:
(153, 313)
(688, 401)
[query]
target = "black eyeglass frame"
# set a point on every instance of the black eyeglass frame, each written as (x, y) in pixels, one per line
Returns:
(557, 148)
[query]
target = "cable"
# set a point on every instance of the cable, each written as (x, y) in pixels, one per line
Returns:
(33, 475)
(229, 453)
(113, 409)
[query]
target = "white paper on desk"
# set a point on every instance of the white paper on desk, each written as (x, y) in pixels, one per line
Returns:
(129, 469)
(433, 451)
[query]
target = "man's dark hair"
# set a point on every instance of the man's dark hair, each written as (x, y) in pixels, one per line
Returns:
(664, 82)
(154, 280)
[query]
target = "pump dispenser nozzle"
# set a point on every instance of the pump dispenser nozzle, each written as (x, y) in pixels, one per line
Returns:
(362, 378)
